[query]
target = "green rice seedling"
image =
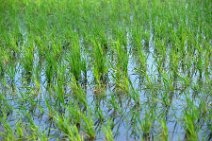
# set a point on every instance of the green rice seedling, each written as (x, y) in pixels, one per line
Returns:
(147, 124)
(174, 61)
(101, 40)
(75, 113)
(100, 64)
(69, 131)
(7, 134)
(185, 80)
(74, 134)
(37, 79)
(1, 65)
(15, 43)
(168, 82)
(121, 83)
(41, 45)
(113, 103)
(75, 59)
(200, 61)
(151, 85)
(100, 118)
(19, 130)
(61, 48)
(28, 60)
(51, 110)
(60, 85)
(209, 127)
(134, 94)
(121, 68)
(50, 68)
(142, 63)
(164, 132)
(122, 57)
(134, 119)
(32, 131)
(204, 110)
(88, 125)
(33, 102)
(43, 137)
(108, 132)
(120, 38)
(6, 108)
(160, 49)
(62, 124)
(78, 93)
(190, 117)
(11, 72)
(136, 38)
(138, 49)
(206, 61)
(166, 101)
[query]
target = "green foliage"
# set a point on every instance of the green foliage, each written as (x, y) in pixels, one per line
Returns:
(94, 69)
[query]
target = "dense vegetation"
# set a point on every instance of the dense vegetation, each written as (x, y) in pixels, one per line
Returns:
(105, 70)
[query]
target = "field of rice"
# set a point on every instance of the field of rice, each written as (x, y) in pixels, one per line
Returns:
(106, 70)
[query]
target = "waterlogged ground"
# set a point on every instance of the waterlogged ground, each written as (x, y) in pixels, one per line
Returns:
(105, 70)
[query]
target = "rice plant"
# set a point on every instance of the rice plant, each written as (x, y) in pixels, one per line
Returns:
(105, 70)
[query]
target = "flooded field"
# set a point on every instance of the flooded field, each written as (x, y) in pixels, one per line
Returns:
(93, 70)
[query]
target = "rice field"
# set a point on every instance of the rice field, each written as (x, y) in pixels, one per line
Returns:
(106, 70)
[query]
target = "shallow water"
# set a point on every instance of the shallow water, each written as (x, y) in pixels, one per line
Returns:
(122, 130)
(133, 98)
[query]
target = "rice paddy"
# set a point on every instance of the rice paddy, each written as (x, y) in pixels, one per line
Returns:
(92, 70)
